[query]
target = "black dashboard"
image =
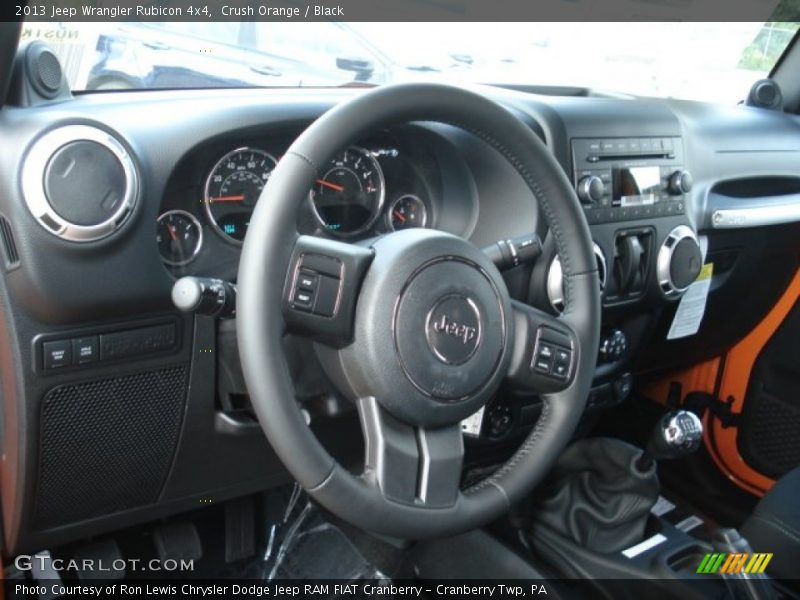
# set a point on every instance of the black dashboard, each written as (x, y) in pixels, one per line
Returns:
(86, 295)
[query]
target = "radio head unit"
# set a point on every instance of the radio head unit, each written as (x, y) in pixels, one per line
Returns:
(620, 179)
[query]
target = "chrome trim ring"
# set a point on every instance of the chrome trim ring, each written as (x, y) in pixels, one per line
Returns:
(664, 259)
(555, 278)
(206, 196)
(33, 191)
(378, 208)
(397, 200)
(196, 222)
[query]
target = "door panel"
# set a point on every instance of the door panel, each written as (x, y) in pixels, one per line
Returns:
(768, 438)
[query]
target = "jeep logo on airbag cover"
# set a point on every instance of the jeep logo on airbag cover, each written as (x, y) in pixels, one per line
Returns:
(453, 329)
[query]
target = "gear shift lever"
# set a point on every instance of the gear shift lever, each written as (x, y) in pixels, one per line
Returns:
(677, 434)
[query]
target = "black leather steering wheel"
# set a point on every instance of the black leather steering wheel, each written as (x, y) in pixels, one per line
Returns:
(416, 327)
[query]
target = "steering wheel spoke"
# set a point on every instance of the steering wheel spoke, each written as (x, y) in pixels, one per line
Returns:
(411, 465)
(321, 288)
(545, 350)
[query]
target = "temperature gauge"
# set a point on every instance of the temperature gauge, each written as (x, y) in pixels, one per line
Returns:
(406, 212)
(179, 237)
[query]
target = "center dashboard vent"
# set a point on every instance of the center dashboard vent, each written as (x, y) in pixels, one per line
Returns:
(79, 182)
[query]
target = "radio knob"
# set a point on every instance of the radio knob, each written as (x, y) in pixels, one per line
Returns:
(680, 182)
(591, 189)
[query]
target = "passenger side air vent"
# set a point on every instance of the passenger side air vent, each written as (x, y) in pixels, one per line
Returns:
(10, 254)
(79, 182)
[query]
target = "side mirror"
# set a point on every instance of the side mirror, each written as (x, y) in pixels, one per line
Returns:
(362, 67)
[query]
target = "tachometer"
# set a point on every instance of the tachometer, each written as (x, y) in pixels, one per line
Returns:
(348, 198)
(233, 188)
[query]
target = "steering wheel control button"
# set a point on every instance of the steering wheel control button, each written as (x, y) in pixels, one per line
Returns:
(85, 350)
(316, 294)
(57, 354)
(317, 285)
(550, 357)
(453, 329)
(307, 282)
(303, 300)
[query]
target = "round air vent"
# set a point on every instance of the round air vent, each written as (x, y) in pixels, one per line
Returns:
(555, 278)
(79, 182)
(679, 261)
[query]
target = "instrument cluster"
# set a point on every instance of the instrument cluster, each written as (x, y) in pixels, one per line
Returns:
(364, 190)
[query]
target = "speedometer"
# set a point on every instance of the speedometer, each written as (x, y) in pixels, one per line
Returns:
(233, 188)
(347, 199)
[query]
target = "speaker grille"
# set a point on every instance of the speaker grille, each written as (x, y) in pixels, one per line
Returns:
(107, 445)
(48, 70)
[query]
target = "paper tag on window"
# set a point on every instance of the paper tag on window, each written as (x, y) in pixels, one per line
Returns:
(692, 306)
(472, 424)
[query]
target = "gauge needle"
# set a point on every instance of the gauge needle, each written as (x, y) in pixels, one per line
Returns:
(399, 215)
(172, 233)
(238, 198)
(328, 184)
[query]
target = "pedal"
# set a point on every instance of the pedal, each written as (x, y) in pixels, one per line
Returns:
(240, 539)
(178, 541)
(102, 556)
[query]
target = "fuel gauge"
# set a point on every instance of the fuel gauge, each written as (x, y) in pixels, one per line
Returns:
(179, 237)
(407, 211)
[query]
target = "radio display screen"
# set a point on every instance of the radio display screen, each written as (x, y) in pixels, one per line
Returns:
(635, 185)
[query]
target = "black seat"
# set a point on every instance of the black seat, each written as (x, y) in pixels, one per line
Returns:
(774, 526)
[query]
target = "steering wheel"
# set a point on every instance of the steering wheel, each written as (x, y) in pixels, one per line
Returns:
(416, 327)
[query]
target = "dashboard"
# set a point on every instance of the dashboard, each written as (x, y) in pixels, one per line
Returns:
(168, 181)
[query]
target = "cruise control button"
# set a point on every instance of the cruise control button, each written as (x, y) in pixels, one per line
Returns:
(307, 281)
(560, 370)
(303, 300)
(542, 366)
(57, 354)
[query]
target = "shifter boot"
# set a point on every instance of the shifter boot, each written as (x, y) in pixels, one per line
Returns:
(599, 496)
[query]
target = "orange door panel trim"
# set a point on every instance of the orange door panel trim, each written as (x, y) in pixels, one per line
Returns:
(735, 377)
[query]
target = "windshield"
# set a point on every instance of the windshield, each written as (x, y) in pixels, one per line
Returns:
(704, 61)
